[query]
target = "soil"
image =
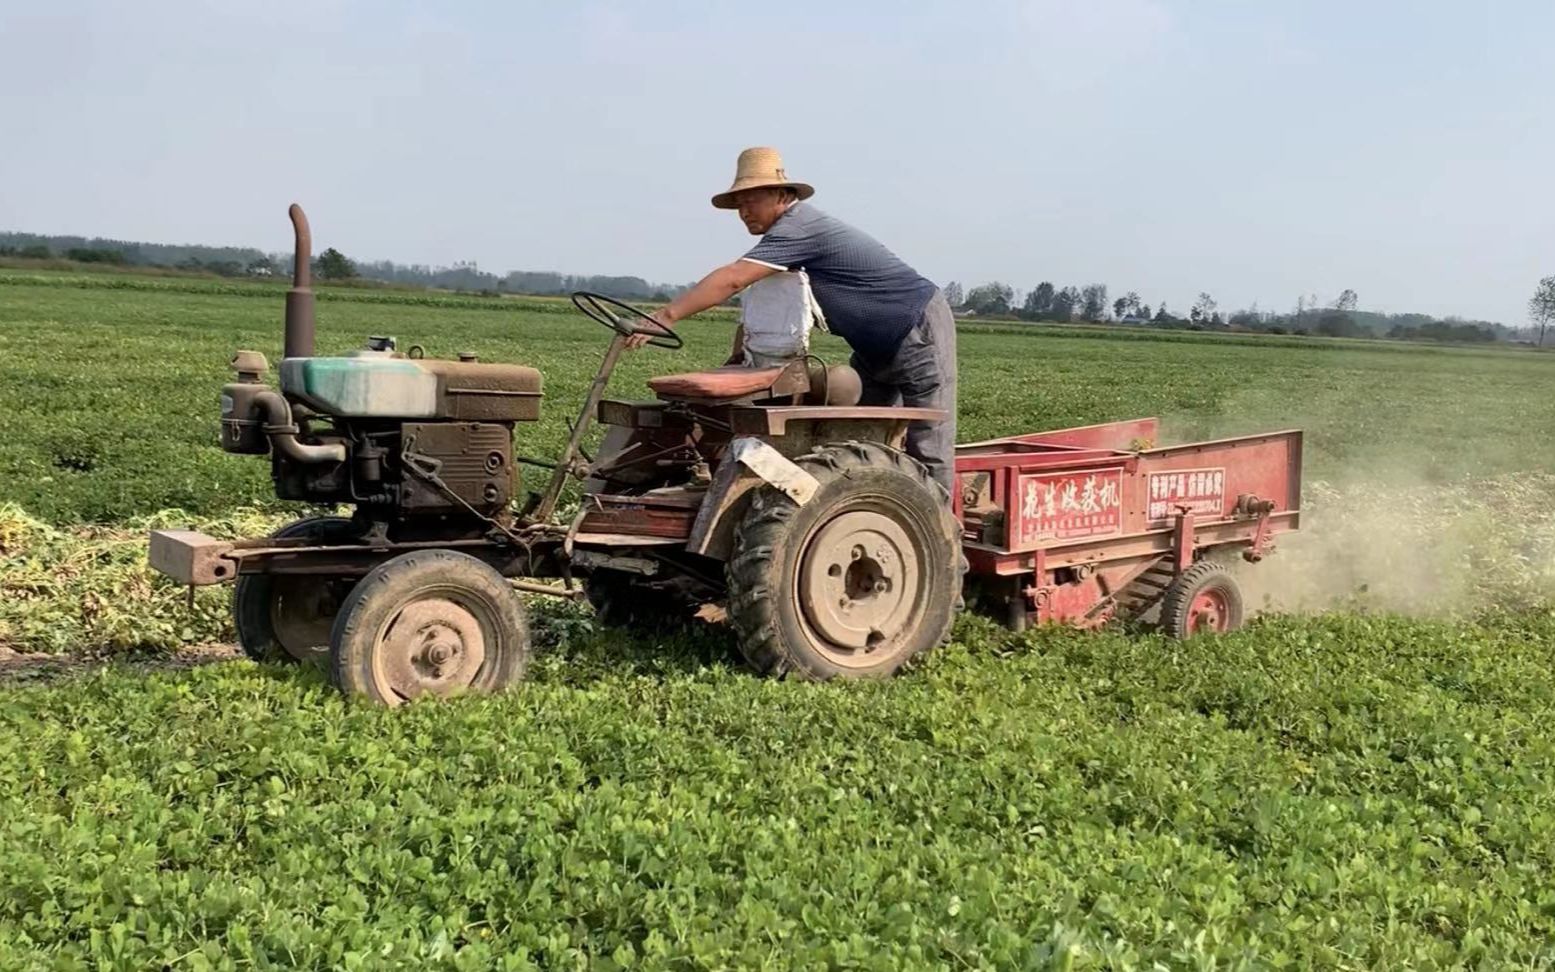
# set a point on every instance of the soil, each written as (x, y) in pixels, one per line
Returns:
(17, 668)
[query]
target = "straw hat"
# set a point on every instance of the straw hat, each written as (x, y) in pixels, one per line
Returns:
(759, 168)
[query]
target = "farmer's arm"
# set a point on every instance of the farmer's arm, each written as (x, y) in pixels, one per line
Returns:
(712, 290)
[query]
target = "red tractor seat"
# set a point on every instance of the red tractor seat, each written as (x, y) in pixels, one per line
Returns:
(719, 384)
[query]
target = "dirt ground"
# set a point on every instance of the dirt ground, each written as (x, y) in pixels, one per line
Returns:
(17, 668)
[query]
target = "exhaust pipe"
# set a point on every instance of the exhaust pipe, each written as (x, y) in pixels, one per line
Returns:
(299, 300)
(282, 430)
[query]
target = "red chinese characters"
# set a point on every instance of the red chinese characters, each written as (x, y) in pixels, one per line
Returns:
(1202, 491)
(1067, 506)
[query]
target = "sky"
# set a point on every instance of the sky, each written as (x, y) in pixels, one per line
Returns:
(1257, 150)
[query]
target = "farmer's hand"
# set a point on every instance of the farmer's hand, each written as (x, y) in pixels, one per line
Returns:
(659, 317)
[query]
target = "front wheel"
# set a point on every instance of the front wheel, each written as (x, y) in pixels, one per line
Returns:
(855, 582)
(288, 617)
(433, 622)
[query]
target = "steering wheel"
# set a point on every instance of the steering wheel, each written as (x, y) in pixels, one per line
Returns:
(598, 308)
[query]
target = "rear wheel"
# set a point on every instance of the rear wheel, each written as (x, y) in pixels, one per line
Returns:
(433, 622)
(288, 617)
(855, 582)
(1204, 599)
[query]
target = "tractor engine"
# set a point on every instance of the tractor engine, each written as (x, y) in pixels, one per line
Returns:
(405, 436)
(375, 428)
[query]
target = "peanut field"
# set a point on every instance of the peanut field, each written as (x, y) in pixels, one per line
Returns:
(1359, 779)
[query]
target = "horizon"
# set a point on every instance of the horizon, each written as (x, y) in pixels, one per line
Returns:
(279, 256)
(1158, 146)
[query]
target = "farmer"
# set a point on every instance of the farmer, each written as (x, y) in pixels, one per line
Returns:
(896, 321)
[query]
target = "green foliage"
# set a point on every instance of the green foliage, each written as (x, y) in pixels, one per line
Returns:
(89, 590)
(333, 265)
(94, 255)
(1347, 792)
(1541, 307)
(127, 251)
(1356, 791)
(108, 392)
(990, 299)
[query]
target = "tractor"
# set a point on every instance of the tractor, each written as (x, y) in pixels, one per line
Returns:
(768, 493)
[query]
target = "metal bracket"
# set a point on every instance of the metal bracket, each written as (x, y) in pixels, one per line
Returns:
(774, 468)
(1183, 540)
(1250, 505)
(1261, 547)
(590, 560)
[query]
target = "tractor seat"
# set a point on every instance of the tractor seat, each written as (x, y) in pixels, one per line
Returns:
(718, 385)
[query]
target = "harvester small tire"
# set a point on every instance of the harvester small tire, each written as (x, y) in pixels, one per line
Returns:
(856, 581)
(289, 617)
(1204, 599)
(620, 603)
(430, 622)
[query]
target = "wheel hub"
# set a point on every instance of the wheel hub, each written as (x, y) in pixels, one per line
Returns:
(858, 583)
(432, 646)
(1209, 612)
(302, 613)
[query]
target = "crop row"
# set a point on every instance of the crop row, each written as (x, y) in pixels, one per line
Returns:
(1343, 792)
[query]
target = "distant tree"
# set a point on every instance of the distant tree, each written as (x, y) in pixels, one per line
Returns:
(990, 298)
(1064, 304)
(1541, 307)
(1126, 306)
(1144, 312)
(1346, 301)
(1248, 319)
(1203, 309)
(1337, 323)
(1093, 302)
(1163, 316)
(37, 251)
(1306, 307)
(334, 265)
(1039, 302)
(953, 295)
(85, 254)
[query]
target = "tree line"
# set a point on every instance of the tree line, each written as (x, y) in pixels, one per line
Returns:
(1090, 303)
(1339, 317)
(469, 277)
(331, 264)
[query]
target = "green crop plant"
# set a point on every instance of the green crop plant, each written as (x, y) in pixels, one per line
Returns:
(1365, 787)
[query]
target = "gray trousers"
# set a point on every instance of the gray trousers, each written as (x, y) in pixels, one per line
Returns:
(922, 375)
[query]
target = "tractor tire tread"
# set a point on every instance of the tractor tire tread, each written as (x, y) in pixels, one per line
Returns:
(752, 608)
(1178, 599)
(395, 580)
(251, 595)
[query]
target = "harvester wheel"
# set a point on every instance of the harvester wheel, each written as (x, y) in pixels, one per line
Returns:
(288, 617)
(430, 622)
(1204, 599)
(856, 581)
(619, 603)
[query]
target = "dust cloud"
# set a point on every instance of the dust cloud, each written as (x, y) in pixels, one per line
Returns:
(1426, 549)
(1389, 524)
